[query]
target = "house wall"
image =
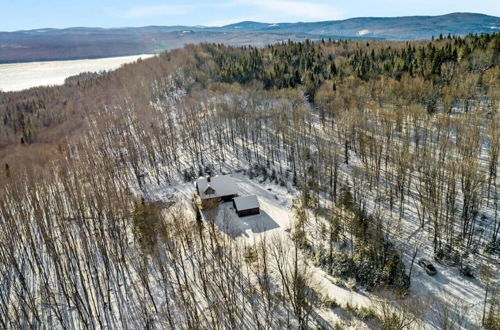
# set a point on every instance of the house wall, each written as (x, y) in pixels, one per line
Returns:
(228, 198)
(243, 213)
(211, 202)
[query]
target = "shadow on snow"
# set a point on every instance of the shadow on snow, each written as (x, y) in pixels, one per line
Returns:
(231, 224)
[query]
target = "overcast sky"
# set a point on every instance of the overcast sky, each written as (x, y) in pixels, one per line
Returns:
(31, 14)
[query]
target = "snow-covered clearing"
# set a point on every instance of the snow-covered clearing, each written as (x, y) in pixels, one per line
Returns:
(273, 223)
(276, 221)
(19, 76)
(274, 217)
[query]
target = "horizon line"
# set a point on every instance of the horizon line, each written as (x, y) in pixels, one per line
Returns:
(201, 26)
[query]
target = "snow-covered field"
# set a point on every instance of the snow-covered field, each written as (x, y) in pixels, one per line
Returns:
(19, 76)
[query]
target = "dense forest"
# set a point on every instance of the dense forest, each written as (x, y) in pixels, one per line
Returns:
(389, 149)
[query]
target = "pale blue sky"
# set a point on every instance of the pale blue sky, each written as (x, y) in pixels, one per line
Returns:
(31, 14)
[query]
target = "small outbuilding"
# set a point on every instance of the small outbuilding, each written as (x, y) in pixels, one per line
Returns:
(246, 205)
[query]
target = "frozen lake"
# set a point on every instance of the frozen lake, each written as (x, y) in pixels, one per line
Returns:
(19, 76)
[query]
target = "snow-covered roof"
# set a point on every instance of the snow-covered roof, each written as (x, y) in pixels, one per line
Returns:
(246, 202)
(219, 186)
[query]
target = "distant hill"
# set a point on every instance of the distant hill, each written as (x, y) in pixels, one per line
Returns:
(82, 42)
(396, 28)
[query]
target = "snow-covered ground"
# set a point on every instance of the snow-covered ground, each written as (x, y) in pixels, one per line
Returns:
(19, 76)
(275, 216)
(448, 289)
(273, 223)
(276, 220)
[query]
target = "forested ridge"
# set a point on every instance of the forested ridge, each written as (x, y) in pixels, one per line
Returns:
(86, 42)
(389, 149)
(448, 70)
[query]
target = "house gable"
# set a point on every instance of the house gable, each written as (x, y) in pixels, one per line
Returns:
(209, 191)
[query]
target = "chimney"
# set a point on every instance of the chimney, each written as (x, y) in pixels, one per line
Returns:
(208, 178)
